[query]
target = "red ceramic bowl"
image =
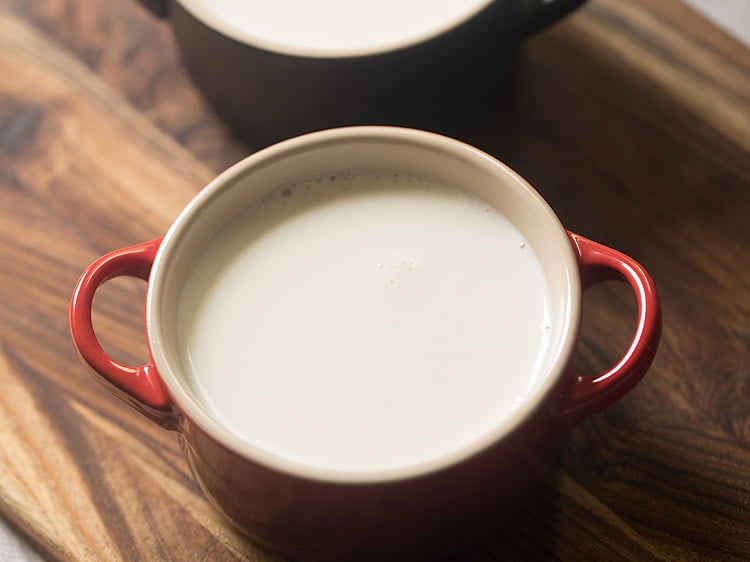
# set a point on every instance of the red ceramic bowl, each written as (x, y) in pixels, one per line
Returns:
(420, 509)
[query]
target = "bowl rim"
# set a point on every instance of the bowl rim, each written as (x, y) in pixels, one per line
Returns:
(190, 406)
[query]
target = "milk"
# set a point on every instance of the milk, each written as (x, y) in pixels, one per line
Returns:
(364, 320)
(329, 26)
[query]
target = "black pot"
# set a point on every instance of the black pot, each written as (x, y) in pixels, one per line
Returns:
(439, 84)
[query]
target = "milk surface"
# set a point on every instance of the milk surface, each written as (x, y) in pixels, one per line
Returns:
(332, 25)
(364, 320)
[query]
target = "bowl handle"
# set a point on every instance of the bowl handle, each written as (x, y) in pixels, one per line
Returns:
(535, 15)
(159, 8)
(584, 396)
(140, 386)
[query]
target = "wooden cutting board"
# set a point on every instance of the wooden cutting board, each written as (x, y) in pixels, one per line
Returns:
(632, 120)
(84, 476)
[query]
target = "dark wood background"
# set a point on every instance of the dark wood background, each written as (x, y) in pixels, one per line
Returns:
(631, 118)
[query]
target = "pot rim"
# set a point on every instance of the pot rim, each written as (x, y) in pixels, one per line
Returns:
(189, 405)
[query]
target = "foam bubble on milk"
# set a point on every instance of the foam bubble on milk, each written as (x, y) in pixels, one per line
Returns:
(364, 320)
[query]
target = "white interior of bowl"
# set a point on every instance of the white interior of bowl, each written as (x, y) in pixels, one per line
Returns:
(333, 28)
(410, 151)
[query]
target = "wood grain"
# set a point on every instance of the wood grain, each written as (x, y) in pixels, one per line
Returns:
(135, 55)
(69, 141)
(631, 118)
